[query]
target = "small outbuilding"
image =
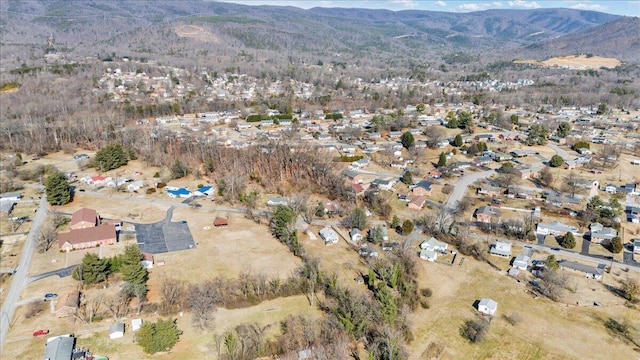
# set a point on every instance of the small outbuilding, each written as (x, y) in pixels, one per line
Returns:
(487, 307)
(220, 221)
(116, 331)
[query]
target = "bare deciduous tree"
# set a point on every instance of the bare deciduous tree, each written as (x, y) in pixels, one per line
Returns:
(172, 292)
(202, 299)
(47, 237)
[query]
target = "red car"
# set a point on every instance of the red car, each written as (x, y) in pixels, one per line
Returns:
(40, 332)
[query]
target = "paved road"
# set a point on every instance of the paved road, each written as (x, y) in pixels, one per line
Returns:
(565, 155)
(63, 272)
(460, 187)
(20, 277)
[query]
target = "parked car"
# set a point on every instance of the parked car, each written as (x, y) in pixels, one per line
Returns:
(40, 332)
(50, 296)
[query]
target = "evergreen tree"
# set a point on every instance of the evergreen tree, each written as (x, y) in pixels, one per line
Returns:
(465, 120)
(407, 178)
(57, 189)
(556, 161)
(357, 219)
(442, 161)
(159, 336)
(93, 269)
(568, 241)
(457, 141)
(132, 270)
(551, 263)
(282, 223)
(616, 245)
(111, 157)
(563, 129)
(407, 227)
(407, 140)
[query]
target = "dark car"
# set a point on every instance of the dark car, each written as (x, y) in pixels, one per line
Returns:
(50, 296)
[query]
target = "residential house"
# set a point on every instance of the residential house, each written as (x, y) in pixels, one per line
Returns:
(356, 235)
(206, 190)
(178, 192)
(486, 213)
(59, 348)
(591, 272)
(435, 245)
(353, 176)
(67, 304)
(527, 173)
(435, 173)
(373, 135)
(636, 246)
(275, 201)
(117, 182)
(328, 235)
(417, 202)
(362, 163)
(521, 262)
(601, 234)
(383, 184)
(556, 228)
(366, 251)
(487, 307)
(84, 218)
(135, 186)
(489, 190)
(85, 238)
(358, 189)
(422, 188)
(116, 331)
(558, 139)
(482, 160)
(15, 196)
(484, 137)
(501, 248)
(6, 206)
(428, 254)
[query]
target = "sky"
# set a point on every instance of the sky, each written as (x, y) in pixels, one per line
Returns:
(629, 8)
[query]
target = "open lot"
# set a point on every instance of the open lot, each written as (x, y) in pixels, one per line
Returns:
(538, 334)
(242, 246)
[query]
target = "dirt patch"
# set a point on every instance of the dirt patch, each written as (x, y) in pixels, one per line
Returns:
(196, 32)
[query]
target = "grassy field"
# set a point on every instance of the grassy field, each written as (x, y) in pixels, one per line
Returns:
(542, 332)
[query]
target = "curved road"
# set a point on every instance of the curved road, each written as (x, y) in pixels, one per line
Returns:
(460, 187)
(19, 279)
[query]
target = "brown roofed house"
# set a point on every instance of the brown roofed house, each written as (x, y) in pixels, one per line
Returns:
(104, 234)
(84, 218)
(68, 304)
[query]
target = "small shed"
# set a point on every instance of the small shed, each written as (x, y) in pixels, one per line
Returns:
(136, 324)
(220, 221)
(147, 260)
(487, 307)
(116, 331)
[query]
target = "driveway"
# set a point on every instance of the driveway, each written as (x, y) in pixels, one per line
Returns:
(64, 272)
(164, 236)
(565, 155)
(460, 187)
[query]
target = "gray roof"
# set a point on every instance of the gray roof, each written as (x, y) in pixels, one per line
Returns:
(497, 251)
(587, 269)
(6, 205)
(488, 303)
(60, 348)
(116, 327)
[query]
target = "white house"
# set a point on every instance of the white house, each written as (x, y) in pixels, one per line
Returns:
(521, 262)
(501, 248)
(328, 236)
(556, 228)
(487, 307)
(434, 245)
(135, 186)
(428, 254)
(356, 235)
(116, 331)
(275, 201)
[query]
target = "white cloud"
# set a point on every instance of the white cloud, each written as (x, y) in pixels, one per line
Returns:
(594, 7)
(477, 6)
(411, 4)
(521, 4)
(440, 3)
